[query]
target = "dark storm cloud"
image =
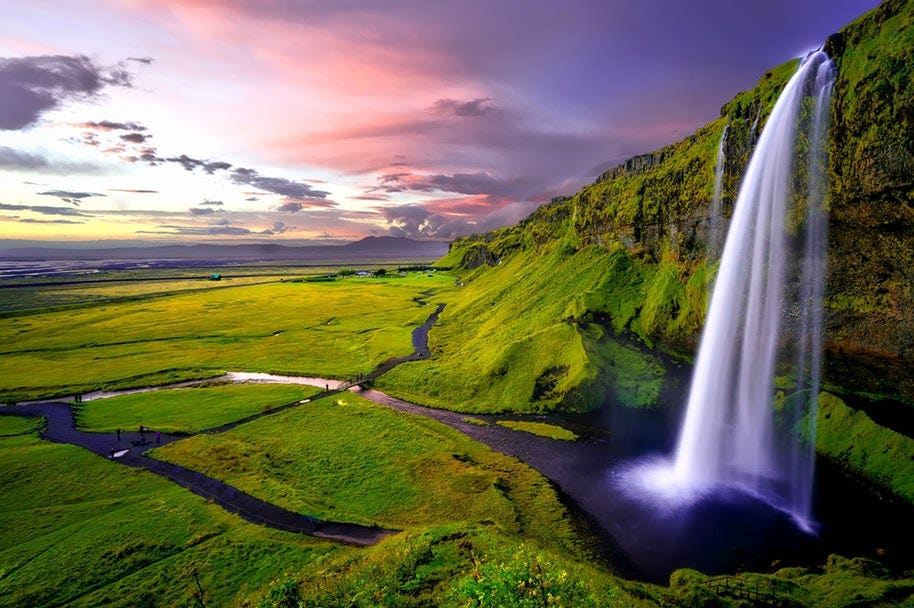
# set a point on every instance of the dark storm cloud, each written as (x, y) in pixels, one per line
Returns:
(70, 197)
(393, 177)
(186, 161)
(31, 86)
(278, 228)
(495, 189)
(26, 161)
(33, 221)
(90, 139)
(277, 185)
(419, 222)
(291, 207)
(148, 155)
(108, 125)
(190, 164)
(13, 159)
(198, 230)
(452, 107)
(135, 138)
(45, 210)
(218, 165)
(204, 211)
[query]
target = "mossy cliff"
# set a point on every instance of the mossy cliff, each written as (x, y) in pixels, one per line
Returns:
(579, 302)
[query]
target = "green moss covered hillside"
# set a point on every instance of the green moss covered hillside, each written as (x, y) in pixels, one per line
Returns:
(595, 296)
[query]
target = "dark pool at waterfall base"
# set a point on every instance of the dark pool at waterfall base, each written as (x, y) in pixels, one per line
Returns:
(725, 531)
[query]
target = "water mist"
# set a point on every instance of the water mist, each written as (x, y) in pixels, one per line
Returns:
(772, 264)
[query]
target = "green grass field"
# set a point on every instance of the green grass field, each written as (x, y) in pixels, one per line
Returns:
(542, 429)
(187, 410)
(348, 459)
(510, 340)
(17, 425)
(78, 530)
(335, 329)
(40, 292)
(478, 528)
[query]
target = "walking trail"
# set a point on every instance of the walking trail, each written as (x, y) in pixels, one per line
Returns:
(130, 448)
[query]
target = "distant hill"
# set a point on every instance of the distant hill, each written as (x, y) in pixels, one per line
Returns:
(383, 247)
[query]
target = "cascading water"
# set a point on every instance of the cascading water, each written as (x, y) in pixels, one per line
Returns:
(716, 228)
(727, 436)
(802, 415)
(754, 129)
(768, 270)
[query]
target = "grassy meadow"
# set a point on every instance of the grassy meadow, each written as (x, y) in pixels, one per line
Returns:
(333, 329)
(347, 459)
(516, 340)
(79, 530)
(543, 429)
(186, 410)
(476, 528)
(19, 294)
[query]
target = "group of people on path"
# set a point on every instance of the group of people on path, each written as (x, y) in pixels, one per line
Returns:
(143, 440)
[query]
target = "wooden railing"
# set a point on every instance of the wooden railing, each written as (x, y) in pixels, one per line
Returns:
(759, 592)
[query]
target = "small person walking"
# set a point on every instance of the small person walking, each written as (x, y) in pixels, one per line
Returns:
(158, 437)
(118, 434)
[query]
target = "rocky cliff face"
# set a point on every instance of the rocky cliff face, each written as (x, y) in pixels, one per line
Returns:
(871, 273)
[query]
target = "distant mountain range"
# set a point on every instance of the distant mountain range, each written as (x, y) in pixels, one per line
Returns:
(369, 248)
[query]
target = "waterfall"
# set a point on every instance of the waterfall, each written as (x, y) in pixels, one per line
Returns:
(754, 129)
(811, 292)
(728, 435)
(716, 230)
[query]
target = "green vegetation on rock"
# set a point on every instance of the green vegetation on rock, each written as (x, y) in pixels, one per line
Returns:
(841, 582)
(849, 436)
(543, 429)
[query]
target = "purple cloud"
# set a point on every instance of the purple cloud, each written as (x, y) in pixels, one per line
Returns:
(277, 185)
(452, 107)
(135, 138)
(31, 86)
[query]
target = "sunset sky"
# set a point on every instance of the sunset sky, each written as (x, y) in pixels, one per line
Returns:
(306, 121)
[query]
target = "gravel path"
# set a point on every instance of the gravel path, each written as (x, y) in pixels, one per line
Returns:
(61, 428)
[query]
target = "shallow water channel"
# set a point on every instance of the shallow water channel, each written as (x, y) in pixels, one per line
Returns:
(724, 532)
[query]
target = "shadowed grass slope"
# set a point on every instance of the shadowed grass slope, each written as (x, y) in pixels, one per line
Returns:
(522, 337)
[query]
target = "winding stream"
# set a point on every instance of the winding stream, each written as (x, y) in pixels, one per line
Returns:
(721, 534)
